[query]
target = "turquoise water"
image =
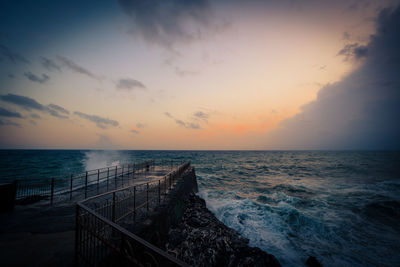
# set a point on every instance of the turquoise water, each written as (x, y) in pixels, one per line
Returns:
(341, 207)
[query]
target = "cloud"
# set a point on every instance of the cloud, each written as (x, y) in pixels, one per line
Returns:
(35, 78)
(8, 122)
(58, 108)
(12, 56)
(201, 115)
(187, 125)
(76, 68)
(49, 64)
(23, 101)
(134, 131)
(100, 122)
(166, 23)
(129, 84)
(360, 111)
(7, 113)
(35, 116)
(141, 125)
(353, 51)
(28, 103)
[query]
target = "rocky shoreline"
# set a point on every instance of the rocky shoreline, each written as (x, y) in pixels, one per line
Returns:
(200, 239)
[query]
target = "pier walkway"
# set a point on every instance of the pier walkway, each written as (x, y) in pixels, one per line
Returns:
(41, 229)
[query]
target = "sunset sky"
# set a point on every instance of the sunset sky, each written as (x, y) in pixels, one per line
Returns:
(200, 74)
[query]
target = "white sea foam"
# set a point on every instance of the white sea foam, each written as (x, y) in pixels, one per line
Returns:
(97, 159)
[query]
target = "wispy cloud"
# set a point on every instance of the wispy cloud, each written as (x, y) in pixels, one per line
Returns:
(134, 131)
(201, 115)
(100, 122)
(58, 108)
(77, 68)
(23, 102)
(187, 125)
(50, 64)
(141, 125)
(129, 84)
(7, 113)
(35, 116)
(353, 51)
(165, 22)
(35, 78)
(28, 103)
(8, 122)
(12, 56)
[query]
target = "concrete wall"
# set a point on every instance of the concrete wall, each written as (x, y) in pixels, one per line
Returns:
(169, 213)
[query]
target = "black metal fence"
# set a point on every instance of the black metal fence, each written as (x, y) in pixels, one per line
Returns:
(82, 185)
(100, 238)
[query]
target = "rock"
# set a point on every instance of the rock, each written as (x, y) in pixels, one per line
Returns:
(313, 262)
(208, 242)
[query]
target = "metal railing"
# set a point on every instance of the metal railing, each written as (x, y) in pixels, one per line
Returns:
(102, 237)
(81, 185)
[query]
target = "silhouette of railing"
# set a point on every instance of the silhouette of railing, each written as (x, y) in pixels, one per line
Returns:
(101, 240)
(82, 185)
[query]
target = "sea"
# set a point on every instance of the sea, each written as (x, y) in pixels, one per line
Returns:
(342, 207)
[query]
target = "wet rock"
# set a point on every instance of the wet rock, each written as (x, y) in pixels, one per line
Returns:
(200, 239)
(313, 262)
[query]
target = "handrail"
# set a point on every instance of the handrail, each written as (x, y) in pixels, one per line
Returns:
(133, 236)
(123, 188)
(88, 227)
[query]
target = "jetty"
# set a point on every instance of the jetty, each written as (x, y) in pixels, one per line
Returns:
(140, 214)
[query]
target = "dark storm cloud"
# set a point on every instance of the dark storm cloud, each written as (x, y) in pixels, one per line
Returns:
(35, 78)
(12, 56)
(100, 122)
(7, 113)
(166, 22)
(355, 51)
(129, 84)
(76, 68)
(49, 64)
(359, 112)
(28, 103)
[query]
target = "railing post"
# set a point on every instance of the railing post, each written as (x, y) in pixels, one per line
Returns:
(147, 196)
(77, 235)
(108, 173)
(116, 170)
(52, 191)
(86, 184)
(159, 191)
(122, 171)
(70, 189)
(134, 204)
(165, 185)
(113, 208)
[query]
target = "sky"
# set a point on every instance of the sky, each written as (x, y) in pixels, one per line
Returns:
(180, 74)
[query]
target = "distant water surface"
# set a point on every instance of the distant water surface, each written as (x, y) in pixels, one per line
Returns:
(341, 207)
